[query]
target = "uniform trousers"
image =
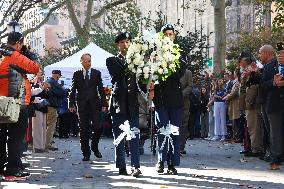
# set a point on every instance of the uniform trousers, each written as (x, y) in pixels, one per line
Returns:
(39, 130)
(117, 120)
(163, 117)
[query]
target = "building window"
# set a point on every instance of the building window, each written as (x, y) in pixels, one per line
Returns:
(238, 23)
(238, 2)
(247, 25)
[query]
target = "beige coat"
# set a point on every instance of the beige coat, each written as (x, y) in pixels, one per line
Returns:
(233, 102)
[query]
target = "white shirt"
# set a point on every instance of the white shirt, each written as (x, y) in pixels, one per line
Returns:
(85, 71)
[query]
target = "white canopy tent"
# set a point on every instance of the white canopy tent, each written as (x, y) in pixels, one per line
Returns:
(71, 64)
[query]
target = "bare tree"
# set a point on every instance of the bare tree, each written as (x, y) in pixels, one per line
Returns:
(83, 31)
(15, 9)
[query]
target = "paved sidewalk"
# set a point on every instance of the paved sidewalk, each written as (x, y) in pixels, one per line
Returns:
(207, 165)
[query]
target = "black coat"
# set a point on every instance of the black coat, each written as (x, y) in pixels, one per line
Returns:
(87, 94)
(168, 93)
(124, 98)
(55, 93)
(274, 97)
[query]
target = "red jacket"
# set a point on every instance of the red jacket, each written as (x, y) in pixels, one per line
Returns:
(13, 70)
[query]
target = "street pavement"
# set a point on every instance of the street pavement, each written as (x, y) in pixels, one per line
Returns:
(207, 164)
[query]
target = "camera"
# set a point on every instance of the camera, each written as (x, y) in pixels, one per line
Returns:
(5, 50)
(30, 55)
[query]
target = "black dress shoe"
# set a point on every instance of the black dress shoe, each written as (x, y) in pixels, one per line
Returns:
(182, 152)
(160, 167)
(122, 171)
(253, 154)
(171, 170)
(98, 154)
(86, 158)
(136, 172)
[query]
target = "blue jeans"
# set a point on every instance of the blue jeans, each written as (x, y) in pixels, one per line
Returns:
(164, 116)
(117, 120)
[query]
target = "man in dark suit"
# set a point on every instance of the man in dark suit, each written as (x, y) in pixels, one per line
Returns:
(87, 82)
(168, 101)
(272, 78)
(124, 105)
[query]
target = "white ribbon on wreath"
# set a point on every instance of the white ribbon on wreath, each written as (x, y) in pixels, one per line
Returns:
(130, 133)
(167, 132)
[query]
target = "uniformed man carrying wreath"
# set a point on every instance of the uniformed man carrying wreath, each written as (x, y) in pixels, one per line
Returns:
(168, 101)
(124, 105)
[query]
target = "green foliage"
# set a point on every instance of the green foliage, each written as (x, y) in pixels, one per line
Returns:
(120, 18)
(278, 21)
(231, 66)
(252, 42)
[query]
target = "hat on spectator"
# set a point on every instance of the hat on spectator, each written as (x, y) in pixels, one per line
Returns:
(56, 72)
(167, 27)
(280, 46)
(246, 55)
(122, 36)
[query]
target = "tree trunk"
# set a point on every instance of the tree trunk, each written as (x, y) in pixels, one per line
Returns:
(220, 36)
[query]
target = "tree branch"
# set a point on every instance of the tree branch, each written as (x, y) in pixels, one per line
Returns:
(106, 7)
(53, 9)
(8, 11)
(73, 16)
(88, 15)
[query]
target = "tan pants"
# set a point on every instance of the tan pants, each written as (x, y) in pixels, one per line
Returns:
(255, 130)
(39, 130)
(51, 118)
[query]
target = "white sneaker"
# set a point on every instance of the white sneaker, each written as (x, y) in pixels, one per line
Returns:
(215, 138)
(223, 138)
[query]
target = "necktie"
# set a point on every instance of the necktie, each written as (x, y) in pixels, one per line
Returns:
(87, 77)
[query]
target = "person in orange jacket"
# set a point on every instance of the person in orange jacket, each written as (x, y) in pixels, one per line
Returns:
(13, 70)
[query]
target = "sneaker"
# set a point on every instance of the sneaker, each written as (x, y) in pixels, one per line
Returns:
(215, 138)
(53, 147)
(27, 153)
(135, 172)
(223, 138)
(160, 167)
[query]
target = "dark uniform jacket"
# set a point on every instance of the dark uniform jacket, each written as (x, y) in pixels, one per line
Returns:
(274, 95)
(124, 98)
(88, 92)
(168, 93)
